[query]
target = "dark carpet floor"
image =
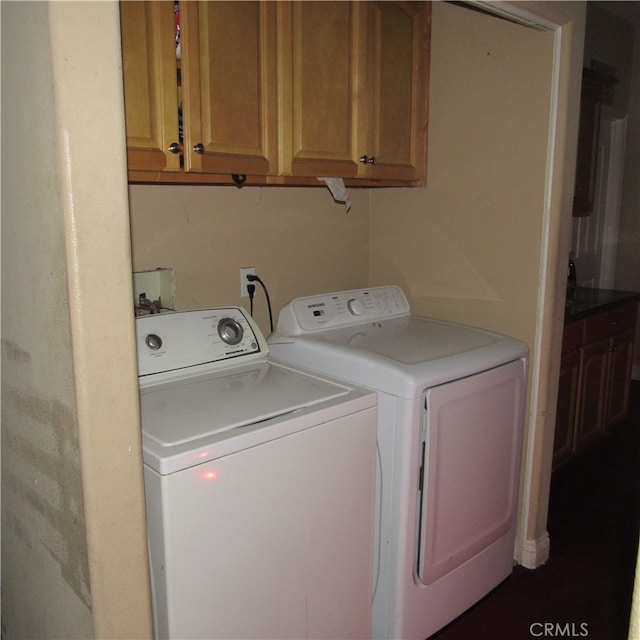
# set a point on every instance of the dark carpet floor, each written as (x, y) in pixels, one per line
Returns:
(584, 589)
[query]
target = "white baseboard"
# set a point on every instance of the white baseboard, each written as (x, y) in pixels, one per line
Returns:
(533, 553)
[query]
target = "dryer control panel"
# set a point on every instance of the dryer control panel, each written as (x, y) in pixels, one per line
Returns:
(196, 341)
(341, 309)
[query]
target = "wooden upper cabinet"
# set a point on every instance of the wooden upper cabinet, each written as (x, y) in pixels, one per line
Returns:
(229, 87)
(393, 127)
(224, 87)
(353, 92)
(150, 85)
(318, 92)
(282, 92)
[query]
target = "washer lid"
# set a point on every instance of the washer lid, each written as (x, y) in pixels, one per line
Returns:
(183, 416)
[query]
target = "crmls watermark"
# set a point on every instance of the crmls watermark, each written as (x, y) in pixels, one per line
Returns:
(559, 629)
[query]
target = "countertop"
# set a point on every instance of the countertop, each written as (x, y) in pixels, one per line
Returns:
(587, 302)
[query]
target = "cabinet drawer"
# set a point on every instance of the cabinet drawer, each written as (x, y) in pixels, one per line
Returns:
(572, 336)
(609, 322)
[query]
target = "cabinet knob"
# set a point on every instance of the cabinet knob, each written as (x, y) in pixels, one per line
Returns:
(174, 147)
(199, 148)
(367, 160)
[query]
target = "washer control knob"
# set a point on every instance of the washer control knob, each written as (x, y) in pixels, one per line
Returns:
(153, 341)
(230, 331)
(356, 308)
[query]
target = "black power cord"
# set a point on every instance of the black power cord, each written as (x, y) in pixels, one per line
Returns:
(251, 289)
(254, 278)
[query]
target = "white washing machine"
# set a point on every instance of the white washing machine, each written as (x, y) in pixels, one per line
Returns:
(259, 484)
(450, 418)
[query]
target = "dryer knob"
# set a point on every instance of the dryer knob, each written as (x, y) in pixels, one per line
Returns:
(356, 308)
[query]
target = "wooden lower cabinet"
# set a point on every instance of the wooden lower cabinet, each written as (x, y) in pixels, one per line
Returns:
(567, 406)
(595, 378)
(592, 392)
(620, 364)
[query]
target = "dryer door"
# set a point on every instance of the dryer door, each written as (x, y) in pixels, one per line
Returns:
(473, 445)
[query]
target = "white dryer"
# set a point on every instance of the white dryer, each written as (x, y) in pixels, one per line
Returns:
(451, 404)
(259, 483)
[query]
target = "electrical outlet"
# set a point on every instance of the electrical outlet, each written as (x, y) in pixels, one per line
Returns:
(244, 272)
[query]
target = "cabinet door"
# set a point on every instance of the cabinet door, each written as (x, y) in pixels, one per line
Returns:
(587, 150)
(229, 87)
(595, 358)
(393, 128)
(594, 86)
(150, 85)
(620, 363)
(567, 406)
(319, 89)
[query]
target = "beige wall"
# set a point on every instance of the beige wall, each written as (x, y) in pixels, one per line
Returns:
(43, 524)
(467, 247)
(74, 553)
(300, 241)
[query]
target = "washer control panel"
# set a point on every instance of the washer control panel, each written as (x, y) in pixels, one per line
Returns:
(341, 309)
(193, 341)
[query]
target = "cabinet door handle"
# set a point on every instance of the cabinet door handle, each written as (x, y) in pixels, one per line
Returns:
(199, 148)
(174, 147)
(367, 160)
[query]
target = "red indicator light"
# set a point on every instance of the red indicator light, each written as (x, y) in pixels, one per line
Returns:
(210, 475)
